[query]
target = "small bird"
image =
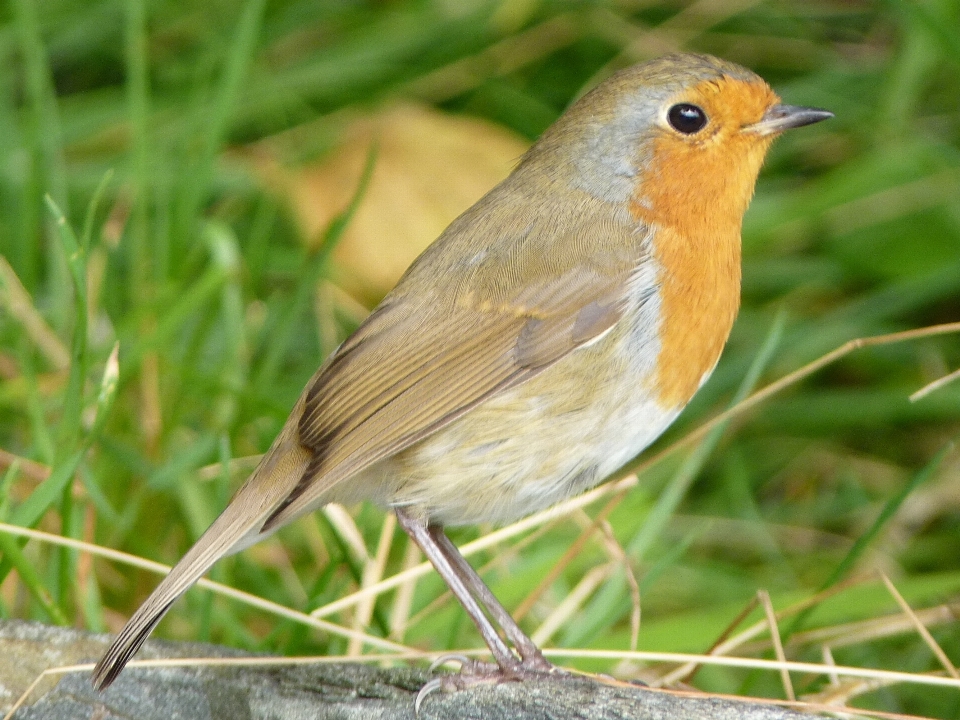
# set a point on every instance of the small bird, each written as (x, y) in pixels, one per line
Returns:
(549, 335)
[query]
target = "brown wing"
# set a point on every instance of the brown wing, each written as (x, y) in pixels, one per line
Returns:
(418, 363)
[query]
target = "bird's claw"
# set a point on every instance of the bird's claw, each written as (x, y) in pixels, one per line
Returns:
(435, 684)
(465, 662)
(476, 672)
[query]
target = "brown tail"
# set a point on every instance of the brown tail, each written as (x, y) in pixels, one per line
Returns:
(237, 527)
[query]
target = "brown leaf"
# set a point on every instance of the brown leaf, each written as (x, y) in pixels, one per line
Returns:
(430, 167)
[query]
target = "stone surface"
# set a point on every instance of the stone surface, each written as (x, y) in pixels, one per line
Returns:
(318, 692)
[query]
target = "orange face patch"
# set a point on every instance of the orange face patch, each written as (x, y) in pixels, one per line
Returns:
(694, 192)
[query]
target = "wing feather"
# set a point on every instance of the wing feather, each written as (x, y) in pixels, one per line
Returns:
(418, 364)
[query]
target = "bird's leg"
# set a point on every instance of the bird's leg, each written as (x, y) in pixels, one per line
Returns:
(531, 657)
(417, 529)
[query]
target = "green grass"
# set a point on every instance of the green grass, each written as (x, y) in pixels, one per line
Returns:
(119, 115)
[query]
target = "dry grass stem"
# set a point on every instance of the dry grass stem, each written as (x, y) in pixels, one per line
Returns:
(756, 664)
(920, 627)
(725, 646)
(828, 660)
(854, 633)
(576, 547)
(403, 599)
(771, 615)
(347, 528)
(935, 385)
(841, 692)
(619, 555)
(572, 603)
(685, 673)
(372, 573)
(51, 672)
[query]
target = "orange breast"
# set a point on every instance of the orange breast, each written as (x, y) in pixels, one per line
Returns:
(694, 195)
(699, 298)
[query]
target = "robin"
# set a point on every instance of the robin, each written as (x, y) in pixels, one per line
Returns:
(549, 335)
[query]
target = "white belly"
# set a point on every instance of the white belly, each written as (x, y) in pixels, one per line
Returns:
(553, 437)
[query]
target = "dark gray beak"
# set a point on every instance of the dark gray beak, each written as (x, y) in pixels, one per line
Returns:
(784, 117)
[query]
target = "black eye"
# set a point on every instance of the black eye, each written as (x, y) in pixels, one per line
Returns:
(686, 118)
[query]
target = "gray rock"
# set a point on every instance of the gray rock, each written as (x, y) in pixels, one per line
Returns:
(318, 692)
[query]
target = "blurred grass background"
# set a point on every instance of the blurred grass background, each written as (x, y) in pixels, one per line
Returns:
(148, 125)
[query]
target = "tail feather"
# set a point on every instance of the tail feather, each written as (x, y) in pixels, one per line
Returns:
(237, 527)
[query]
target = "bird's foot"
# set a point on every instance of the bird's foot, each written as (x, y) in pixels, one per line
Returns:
(476, 672)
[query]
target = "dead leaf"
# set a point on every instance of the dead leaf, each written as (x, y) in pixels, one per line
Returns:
(430, 167)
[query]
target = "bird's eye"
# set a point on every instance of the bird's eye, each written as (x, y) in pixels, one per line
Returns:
(686, 118)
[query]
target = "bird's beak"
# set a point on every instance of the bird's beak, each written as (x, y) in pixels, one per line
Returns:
(783, 117)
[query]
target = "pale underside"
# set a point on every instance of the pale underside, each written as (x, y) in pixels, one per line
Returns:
(535, 444)
(480, 402)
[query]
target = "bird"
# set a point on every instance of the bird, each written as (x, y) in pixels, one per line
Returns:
(541, 342)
